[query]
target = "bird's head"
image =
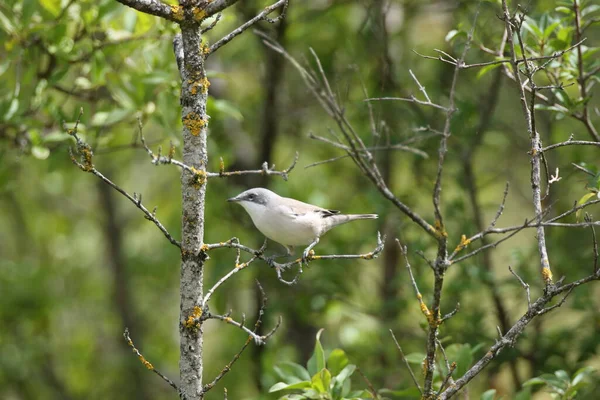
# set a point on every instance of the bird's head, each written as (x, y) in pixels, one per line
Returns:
(254, 199)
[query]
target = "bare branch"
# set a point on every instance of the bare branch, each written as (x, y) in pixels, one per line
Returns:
(262, 16)
(412, 374)
(148, 365)
(537, 308)
(265, 170)
(86, 165)
(571, 143)
(238, 267)
(159, 159)
(155, 7)
(257, 324)
(588, 219)
(525, 286)
(279, 267)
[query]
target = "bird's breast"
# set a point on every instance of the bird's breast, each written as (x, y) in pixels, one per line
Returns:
(289, 230)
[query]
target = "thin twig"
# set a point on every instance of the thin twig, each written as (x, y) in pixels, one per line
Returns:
(257, 324)
(148, 365)
(412, 374)
(262, 16)
(86, 165)
(525, 286)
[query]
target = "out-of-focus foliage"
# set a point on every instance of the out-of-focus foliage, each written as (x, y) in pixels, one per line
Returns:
(562, 386)
(78, 263)
(325, 377)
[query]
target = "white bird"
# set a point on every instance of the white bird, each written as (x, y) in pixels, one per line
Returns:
(291, 222)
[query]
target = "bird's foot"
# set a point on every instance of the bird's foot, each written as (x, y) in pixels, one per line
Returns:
(308, 253)
(274, 264)
(307, 256)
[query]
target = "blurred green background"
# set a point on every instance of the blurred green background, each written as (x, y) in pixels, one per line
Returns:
(79, 263)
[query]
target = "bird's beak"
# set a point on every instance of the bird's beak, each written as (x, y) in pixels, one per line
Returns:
(233, 199)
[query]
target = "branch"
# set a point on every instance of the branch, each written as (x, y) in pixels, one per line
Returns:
(412, 374)
(525, 286)
(155, 7)
(257, 324)
(159, 159)
(86, 165)
(262, 16)
(148, 365)
(238, 267)
(234, 243)
(216, 6)
(265, 170)
(509, 338)
(259, 340)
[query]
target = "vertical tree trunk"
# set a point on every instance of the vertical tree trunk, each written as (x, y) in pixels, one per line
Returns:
(194, 93)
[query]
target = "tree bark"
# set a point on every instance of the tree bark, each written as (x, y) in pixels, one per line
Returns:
(194, 94)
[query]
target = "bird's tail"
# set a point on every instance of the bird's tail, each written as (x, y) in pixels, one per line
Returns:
(352, 217)
(339, 219)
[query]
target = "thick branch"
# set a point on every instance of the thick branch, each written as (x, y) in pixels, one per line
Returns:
(154, 7)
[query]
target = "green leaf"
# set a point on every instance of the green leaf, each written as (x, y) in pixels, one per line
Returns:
(415, 358)
(410, 393)
(562, 375)
(227, 108)
(317, 360)
(292, 372)
(39, 152)
(488, 395)
(6, 24)
(103, 118)
(564, 10)
(582, 201)
(14, 106)
(345, 373)
(57, 136)
(52, 6)
(461, 354)
(321, 381)
(487, 69)
(524, 394)
(550, 28)
(284, 386)
(590, 9)
(534, 381)
(582, 374)
(336, 361)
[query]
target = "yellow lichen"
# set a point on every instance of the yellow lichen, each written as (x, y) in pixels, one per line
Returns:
(204, 247)
(221, 165)
(198, 179)
(193, 320)
(199, 14)
(194, 123)
(464, 242)
(547, 275)
(146, 363)
(205, 84)
(177, 12)
(439, 230)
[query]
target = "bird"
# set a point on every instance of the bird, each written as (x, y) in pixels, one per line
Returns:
(291, 222)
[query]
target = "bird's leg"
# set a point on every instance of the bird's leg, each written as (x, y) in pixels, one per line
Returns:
(289, 251)
(306, 252)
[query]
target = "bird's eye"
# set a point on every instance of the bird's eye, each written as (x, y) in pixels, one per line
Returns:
(251, 196)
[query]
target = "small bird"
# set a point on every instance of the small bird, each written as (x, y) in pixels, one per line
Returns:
(291, 222)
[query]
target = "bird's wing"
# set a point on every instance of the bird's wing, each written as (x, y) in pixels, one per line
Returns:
(296, 208)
